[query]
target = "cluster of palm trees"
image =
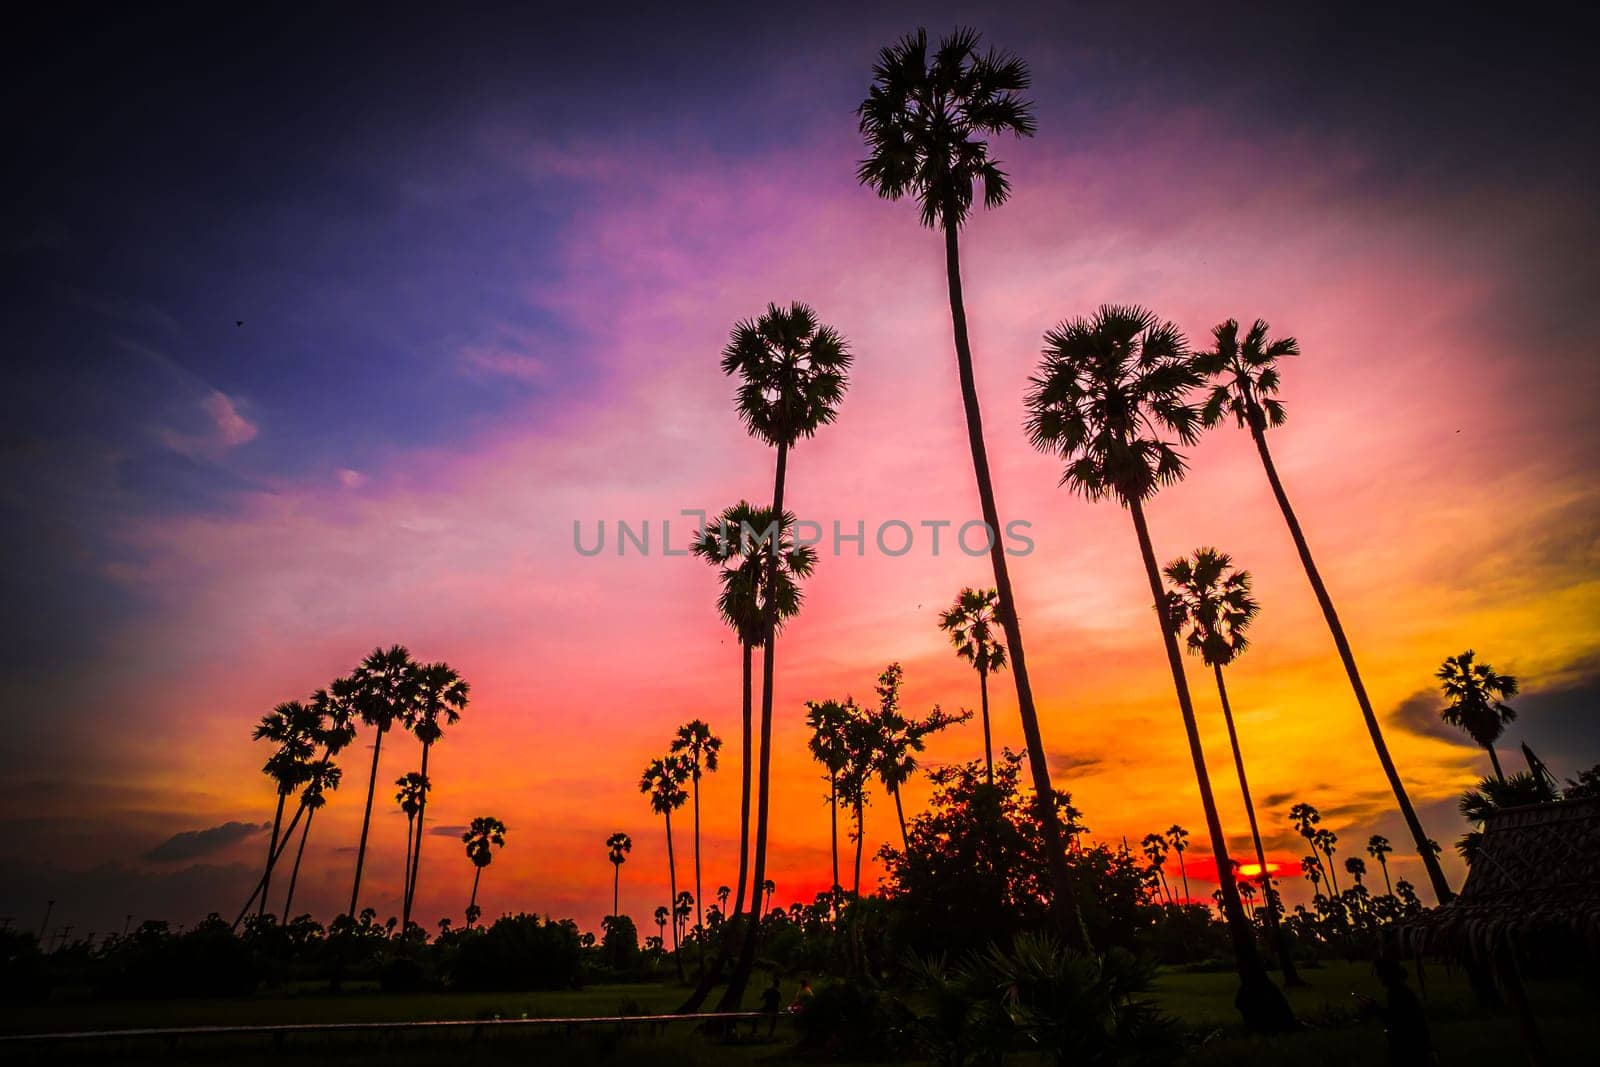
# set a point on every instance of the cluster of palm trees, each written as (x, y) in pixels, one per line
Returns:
(691, 755)
(386, 689)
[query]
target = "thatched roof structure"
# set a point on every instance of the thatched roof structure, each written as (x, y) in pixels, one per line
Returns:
(1536, 877)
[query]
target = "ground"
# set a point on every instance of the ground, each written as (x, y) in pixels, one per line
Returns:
(1338, 1033)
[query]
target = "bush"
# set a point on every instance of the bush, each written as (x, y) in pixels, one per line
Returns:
(23, 975)
(853, 1021)
(519, 952)
(402, 974)
(206, 961)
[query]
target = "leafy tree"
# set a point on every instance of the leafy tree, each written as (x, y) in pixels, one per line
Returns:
(696, 744)
(973, 625)
(485, 831)
(1477, 693)
(926, 121)
(793, 372)
(618, 845)
(1110, 396)
(663, 782)
(441, 696)
(1245, 385)
(899, 739)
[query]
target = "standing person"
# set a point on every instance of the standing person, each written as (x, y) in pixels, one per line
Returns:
(770, 999)
(1405, 1021)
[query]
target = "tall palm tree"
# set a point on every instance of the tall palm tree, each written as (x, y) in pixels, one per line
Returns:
(663, 781)
(792, 372)
(1246, 383)
(485, 831)
(383, 691)
(1356, 867)
(1325, 840)
(926, 120)
(441, 697)
(1477, 701)
(1211, 602)
(618, 845)
(291, 728)
(1110, 393)
(410, 788)
(325, 778)
(827, 720)
(1378, 848)
(1178, 838)
(971, 623)
(698, 746)
(682, 908)
(662, 915)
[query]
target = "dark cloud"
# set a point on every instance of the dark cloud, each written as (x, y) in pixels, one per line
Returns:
(1075, 764)
(447, 831)
(1419, 714)
(192, 844)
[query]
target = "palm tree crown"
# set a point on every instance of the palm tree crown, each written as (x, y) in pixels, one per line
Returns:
(1110, 389)
(1476, 693)
(618, 845)
(973, 623)
(792, 370)
(925, 119)
(1248, 370)
(1213, 603)
(697, 746)
(663, 780)
(485, 831)
(440, 695)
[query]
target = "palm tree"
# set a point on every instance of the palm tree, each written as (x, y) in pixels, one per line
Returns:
(899, 739)
(662, 914)
(441, 696)
(1356, 867)
(1155, 850)
(1178, 838)
(325, 778)
(827, 720)
(1477, 701)
(291, 727)
(971, 622)
(485, 831)
(723, 892)
(925, 121)
(1326, 839)
(682, 908)
(1378, 848)
(383, 691)
(1247, 383)
(663, 780)
(793, 373)
(1493, 794)
(618, 845)
(696, 744)
(1311, 867)
(768, 889)
(1212, 602)
(410, 789)
(1109, 392)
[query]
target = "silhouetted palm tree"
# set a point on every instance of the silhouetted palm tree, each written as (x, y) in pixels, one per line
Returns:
(1110, 394)
(925, 120)
(1356, 867)
(1477, 701)
(698, 746)
(325, 778)
(1155, 850)
(1178, 839)
(618, 845)
(1325, 840)
(971, 623)
(827, 720)
(662, 915)
(1494, 794)
(383, 691)
(1246, 371)
(441, 696)
(682, 908)
(862, 742)
(1378, 848)
(663, 781)
(484, 832)
(410, 788)
(1212, 604)
(793, 373)
(291, 727)
(723, 892)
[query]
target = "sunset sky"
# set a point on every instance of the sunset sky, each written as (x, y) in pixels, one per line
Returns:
(327, 329)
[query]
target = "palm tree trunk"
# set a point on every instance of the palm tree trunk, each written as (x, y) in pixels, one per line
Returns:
(1494, 760)
(405, 876)
(699, 911)
(725, 949)
(262, 882)
(416, 853)
(900, 813)
(472, 901)
(672, 909)
(861, 838)
(1184, 871)
(1068, 916)
(294, 874)
(1261, 1003)
(988, 745)
(616, 888)
(272, 852)
(747, 952)
(833, 823)
(1386, 884)
(1333, 875)
(1279, 938)
(1441, 888)
(366, 823)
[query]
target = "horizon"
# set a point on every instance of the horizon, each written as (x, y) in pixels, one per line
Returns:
(340, 346)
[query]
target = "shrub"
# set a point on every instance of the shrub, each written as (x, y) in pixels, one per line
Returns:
(519, 952)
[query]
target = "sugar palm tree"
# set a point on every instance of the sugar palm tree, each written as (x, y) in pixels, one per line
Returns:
(1378, 848)
(1178, 839)
(1155, 850)
(291, 729)
(1327, 840)
(793, 371)
(1356, 867)
(1245, 373)
(618, 845)
(926, 121)
(383, 691)
(682, 908)
(827, 720)
(973, 625)
(1110, 397)
(699, 747)
(1477, 701)
(1311, 867)
(662, 915)
(663, 781)
(410, 788)
(1211, 604)
(441, 697)
(1494, 794)
(485, 831)
(325, 778)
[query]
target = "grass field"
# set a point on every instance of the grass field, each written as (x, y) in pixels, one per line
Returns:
(1337, 1030)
